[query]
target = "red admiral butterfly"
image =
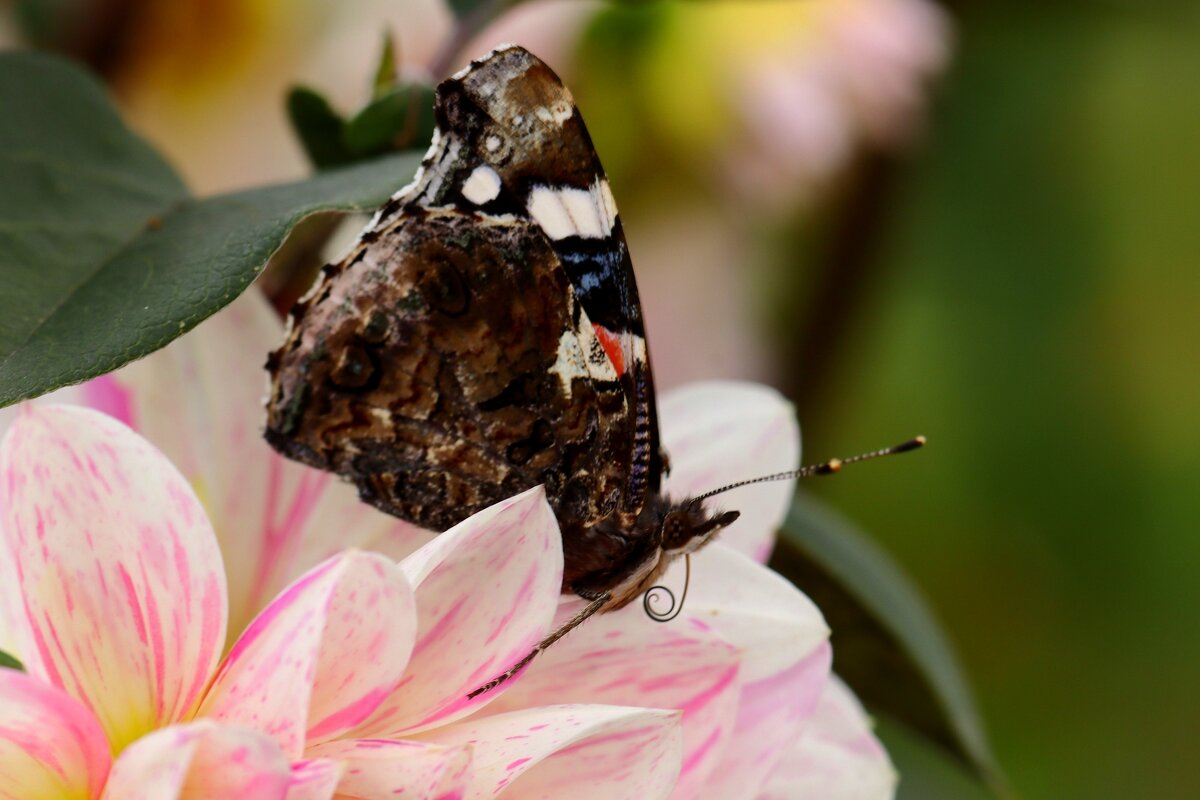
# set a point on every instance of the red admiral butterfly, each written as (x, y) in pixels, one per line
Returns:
(485, 336)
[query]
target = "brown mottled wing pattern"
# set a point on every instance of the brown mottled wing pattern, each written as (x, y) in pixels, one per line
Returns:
(485, 335)
(424, 369)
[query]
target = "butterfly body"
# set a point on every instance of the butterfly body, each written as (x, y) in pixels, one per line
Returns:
(485, 336)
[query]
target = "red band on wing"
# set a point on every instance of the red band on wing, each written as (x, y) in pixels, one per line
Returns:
(611, 343)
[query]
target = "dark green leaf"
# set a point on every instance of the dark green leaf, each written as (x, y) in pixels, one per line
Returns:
(463, 8)
(402, 118)
(9, 661)
(385, 73)
(105, 257)
(888, 647)
(318, 126)
(926, 771)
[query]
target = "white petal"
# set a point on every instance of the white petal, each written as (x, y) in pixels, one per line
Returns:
(626, 659)
(322, 656)
(200, 760)
(578, 752)
(486, 594)
(836, 756)
(771, 621)
(716, 434)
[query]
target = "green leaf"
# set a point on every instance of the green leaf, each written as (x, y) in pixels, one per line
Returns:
(887, 645)
(10, 661)
(385, 73)
(318, 127)
(463, 8)
(104, 256)
(926, 771)
(399, 119)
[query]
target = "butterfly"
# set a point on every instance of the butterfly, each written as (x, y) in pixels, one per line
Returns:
(485, 336)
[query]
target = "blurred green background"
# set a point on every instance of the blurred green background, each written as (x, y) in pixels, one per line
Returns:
(1037, 318)
(1020, 282)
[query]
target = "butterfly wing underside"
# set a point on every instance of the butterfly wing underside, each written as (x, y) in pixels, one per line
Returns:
(485, 334)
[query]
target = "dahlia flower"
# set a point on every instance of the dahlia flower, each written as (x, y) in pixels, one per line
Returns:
(725, 701)
(347, 683)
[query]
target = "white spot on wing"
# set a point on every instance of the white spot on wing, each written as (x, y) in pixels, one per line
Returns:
(482, 186)
(555, 114)
(492, 143)
(590, 213)
(577, 356)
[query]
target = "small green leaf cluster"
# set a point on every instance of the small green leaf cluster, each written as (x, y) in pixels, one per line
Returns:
(398, 117)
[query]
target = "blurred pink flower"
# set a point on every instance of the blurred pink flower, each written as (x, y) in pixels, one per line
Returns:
(857, 72)
(746, 662)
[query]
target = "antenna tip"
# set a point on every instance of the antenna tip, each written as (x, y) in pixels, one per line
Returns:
(830, 467)
(912, 444)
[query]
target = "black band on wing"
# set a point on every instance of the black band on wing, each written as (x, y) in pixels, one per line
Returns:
(601, 273)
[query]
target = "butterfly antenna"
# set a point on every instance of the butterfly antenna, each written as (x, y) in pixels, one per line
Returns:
(830, 467)
(563, 630)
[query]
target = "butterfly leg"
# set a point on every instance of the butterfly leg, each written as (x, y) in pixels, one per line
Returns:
(597, 602)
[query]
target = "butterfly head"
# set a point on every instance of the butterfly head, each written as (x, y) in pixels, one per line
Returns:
(689, 526)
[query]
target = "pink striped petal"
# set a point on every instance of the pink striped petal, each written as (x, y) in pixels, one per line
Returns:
(486, 592)
(50, 744)
(582, 752)
(625, 658)
(392, 768)
(315, 779)
(720, 433)
(115, 566)
(322, 656)
(772, 713)
(200, 401)
(198, 761)
(836, 757)
(768, 619)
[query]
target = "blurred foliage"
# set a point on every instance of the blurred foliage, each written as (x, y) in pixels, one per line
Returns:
(10, 662)
(926, 773)
(1036, 318)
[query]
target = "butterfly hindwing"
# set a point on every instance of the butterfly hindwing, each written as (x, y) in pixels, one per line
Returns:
(485, 335)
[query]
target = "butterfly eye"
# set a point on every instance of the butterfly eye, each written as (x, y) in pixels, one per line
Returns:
(675, 530)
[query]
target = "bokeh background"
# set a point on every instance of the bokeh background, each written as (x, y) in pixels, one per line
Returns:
(973, 220)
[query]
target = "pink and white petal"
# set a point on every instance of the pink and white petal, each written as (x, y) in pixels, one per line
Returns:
(340, 521)
(50, 744)
(771, 621)
(487, 591)
(200, 401)
(771, 716)
(322, 656)
(626, 659)
(836, 756)
(718, 433)
(315, 779)
(585, 752)
(398, 768)
(200, 760)
(115, 565)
